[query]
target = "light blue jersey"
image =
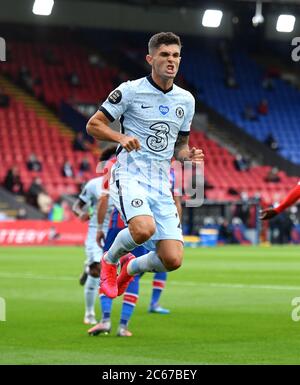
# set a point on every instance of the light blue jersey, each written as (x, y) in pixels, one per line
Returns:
(156, 118)
(90, 195)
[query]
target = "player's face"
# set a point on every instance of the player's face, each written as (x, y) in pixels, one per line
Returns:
(165, 61)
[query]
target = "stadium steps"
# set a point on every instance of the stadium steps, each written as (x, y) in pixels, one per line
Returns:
(212, 132)
(37, 106)
(10, 205)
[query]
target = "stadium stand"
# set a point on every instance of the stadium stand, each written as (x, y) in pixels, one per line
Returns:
(221, 173)
(53, 66)
(283, 116)
(52, 81)
(24, 132)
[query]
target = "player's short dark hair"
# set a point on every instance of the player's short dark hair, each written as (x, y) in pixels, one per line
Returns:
(107, 153)
(166, 38)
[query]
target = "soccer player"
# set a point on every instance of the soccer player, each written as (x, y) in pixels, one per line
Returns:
(155, 117)
(290, 199)
(84, 204)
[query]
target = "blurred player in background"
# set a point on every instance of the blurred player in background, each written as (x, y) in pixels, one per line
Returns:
(290, 199)
(156, 116)
(85, 207)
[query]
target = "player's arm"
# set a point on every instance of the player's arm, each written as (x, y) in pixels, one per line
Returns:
(103, 202)
(114, 106)
(79, 211)
(290, 199)
(101, 212)
(182, 152)
(98, 127)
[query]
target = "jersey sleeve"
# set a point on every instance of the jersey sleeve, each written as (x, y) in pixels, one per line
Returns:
(86, 193)
(117, 102)
(292, 197)
(188, 117)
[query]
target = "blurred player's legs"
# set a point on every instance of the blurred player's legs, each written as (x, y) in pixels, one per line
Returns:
(104, 326)
(94, 254)
(158, 285)
(90, 292)
(130, 299)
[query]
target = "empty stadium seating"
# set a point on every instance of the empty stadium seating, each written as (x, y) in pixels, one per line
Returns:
(283, 119)
(23, 132)
(220, 172)
(53, 87)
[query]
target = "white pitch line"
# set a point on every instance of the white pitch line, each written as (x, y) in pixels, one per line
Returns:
(37, 277)
(234, 285)
(173, 283)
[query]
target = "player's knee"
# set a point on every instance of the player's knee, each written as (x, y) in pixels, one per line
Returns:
(142, 235)
(141, 232)
(173, 263)
(171, 254)
(94, 270)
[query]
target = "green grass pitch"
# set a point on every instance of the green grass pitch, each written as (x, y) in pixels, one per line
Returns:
(229, 305)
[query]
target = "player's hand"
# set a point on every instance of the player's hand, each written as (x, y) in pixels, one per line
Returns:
(196, 155)
(100, 238)
(267, 214)
(130, 143)
(84, 217)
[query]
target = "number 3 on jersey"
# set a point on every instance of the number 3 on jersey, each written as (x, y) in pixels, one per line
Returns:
(158, 141)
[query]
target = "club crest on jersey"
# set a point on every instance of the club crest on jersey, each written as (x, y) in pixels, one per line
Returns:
(179, 112)
(163, 109)
(115, 97)
(137, 203)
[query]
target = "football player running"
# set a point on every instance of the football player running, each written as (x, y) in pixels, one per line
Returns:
(155, 117)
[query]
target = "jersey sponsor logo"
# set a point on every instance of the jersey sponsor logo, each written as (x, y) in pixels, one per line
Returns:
(115, 97)
(146, 106)
(179, 112)
(137, 203)
(159, 141)
(163, 109)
